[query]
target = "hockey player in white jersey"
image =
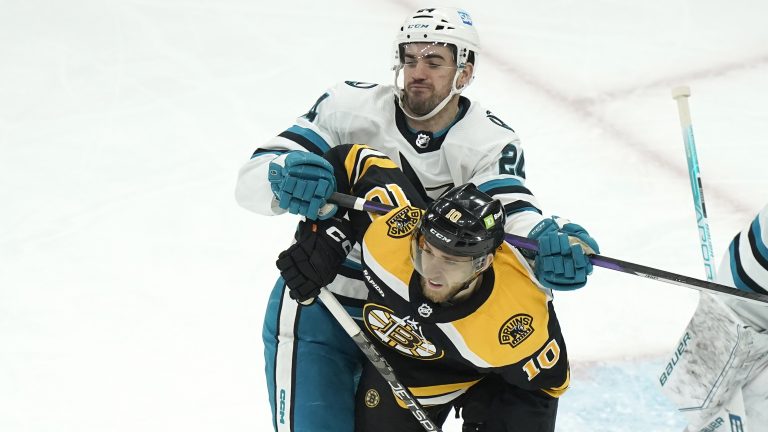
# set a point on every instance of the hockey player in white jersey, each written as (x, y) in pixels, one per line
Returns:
(718, 376)
(437, 137)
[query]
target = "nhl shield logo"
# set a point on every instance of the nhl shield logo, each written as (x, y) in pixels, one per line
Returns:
(424, 310)
(422, 140)
(403, 222)
(516, 329)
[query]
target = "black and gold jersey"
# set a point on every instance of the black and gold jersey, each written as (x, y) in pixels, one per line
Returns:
(506, 326)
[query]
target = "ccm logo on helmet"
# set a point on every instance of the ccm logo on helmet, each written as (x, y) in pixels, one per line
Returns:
(418, 26)
(438, 235)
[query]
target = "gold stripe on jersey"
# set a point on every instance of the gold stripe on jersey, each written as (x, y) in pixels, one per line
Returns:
(515, 301)
(389, 254)
(363, 155)
(556, 392)
(437, 394)
(395, 275)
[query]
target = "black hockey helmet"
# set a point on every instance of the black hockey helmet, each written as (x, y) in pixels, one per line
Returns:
(464, 222)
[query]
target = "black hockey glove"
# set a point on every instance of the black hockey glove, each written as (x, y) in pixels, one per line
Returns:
(314, 260)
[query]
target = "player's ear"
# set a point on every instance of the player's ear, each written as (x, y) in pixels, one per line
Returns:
(488, 262)
(466, 75)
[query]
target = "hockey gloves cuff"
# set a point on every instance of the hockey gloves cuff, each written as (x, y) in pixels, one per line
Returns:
(302, 182)
(314, 260)
(562, 262)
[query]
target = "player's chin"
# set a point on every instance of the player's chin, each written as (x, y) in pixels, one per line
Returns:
(419, 96)
(420, 108)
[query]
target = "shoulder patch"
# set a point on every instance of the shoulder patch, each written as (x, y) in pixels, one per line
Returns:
(360, 84)
(516, 329)
(497, 121)
(372, 398)
(403, 222)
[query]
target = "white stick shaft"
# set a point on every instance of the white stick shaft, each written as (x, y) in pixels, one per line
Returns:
(337, 310)
(377, 360)
(681, 94)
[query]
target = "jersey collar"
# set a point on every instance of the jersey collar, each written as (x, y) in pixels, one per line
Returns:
(425, 141)
(442, 312)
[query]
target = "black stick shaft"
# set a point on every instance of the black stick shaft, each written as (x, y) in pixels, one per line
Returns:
(352, 202)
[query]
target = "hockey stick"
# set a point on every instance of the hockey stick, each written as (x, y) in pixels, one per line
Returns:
(734, 406)
(376, 359)
(681, 94)
(355, 203)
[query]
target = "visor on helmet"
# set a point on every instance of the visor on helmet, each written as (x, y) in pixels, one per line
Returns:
(429, 53)
(440, 267)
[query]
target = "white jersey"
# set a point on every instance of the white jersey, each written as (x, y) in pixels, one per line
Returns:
(745, 267)
(477, 148)
(718, 375)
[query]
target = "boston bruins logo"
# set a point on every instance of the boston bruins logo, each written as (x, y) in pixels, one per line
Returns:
(516, 330)
(403, 335)
(372, 398)
(403, 222)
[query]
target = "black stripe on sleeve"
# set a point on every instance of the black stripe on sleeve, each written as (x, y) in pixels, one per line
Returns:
(261, 151)
(515, 206)
(511, 189)
(755, 251)
(748, 281)
(354, 176)
(519, 206)
(302, 141)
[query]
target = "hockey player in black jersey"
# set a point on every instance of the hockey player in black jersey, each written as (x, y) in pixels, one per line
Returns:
(453, 307)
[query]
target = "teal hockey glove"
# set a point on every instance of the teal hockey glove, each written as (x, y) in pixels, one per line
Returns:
(302, 182)
(583, 238)
(562, 263)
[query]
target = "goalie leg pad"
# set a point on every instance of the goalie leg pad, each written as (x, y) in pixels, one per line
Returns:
(756, 389)
(708, 364)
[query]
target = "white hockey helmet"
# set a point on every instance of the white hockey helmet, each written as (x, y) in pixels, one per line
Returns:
(441, 25)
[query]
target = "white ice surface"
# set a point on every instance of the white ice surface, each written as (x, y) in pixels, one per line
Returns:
(132, 286)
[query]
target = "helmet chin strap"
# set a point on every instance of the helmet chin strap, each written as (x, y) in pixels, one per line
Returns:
(400, 93)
